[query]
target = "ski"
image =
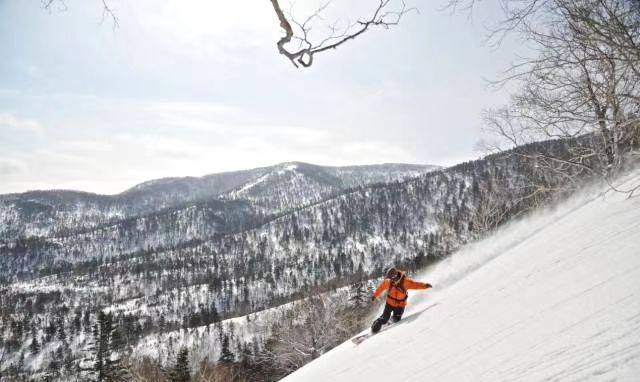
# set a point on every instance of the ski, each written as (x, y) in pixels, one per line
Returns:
(360, 338)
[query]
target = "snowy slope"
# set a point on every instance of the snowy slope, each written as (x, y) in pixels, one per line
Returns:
(552, 298)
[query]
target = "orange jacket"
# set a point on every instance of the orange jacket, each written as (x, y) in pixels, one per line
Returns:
(397, 292)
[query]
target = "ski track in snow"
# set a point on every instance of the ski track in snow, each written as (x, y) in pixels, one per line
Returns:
(554, 297)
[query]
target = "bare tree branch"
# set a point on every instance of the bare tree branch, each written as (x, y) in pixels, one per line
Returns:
(303, 54)
(107, 10)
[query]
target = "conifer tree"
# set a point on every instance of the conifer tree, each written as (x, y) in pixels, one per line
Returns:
(20, 362)
(86, 321)
(108, 365)
(358, 294)
(181, 371)
(62, 335)
(226, 355)
(102, 343)
(35, 346)
(87, 364)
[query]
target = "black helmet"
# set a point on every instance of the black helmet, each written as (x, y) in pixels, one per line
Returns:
(393, 274)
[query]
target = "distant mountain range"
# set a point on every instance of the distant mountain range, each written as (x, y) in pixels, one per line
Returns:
(269, 190)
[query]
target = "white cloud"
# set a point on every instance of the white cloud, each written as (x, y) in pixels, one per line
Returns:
(35, 72)
(184, 107)
(186, 115)
(117, 143)
(9, 121)
(204, 29)
(10, 167)
(110, 164)
(9, 92)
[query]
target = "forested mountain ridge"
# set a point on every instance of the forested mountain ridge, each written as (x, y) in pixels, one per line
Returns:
(280, 187)
(46, 213)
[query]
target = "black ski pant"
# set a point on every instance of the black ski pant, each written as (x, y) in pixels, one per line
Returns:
(386, 314)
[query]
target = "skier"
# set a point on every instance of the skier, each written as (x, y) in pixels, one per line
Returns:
(396, 283)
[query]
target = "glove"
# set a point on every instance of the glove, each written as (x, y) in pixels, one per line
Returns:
(427, 286)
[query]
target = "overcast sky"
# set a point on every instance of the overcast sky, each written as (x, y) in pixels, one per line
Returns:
(191, 87)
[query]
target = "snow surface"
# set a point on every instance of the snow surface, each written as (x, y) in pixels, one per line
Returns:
(555, 297)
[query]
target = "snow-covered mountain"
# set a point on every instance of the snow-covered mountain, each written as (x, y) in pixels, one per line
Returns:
(270, 189)
(291, 185)
(554, 297)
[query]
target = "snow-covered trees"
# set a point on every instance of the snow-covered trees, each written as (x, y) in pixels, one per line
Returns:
(359, 295)
(315, 325)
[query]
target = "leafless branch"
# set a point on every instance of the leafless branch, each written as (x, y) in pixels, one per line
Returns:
(107, 10)
(303, 54)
